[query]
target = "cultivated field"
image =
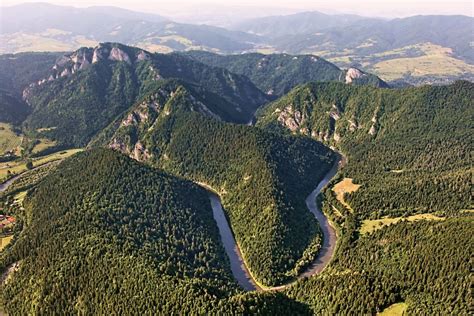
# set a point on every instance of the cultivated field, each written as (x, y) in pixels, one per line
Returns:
(17, 167)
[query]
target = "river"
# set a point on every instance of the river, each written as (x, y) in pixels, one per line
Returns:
(238, 266)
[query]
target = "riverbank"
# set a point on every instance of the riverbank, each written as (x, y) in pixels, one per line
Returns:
(239, 267)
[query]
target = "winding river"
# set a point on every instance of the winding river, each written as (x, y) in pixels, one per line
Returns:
(238, 266)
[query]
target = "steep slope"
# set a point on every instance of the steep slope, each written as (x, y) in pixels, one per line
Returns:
(408, 148)
(16, 73)
(276, 74)
(87, 89)
(12, 110)
(390, 267)
(263, 179)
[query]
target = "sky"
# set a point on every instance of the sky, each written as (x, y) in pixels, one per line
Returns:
(384, 8)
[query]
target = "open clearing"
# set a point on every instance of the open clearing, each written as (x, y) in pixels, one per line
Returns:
(9, 140)
(4, 241)
(396, 309)
(345, 186)
(371, 225)
(17, 167)
(43, 143)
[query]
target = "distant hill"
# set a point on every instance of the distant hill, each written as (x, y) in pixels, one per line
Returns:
(46, 27)
(414, 50)
(419, 49)
(371, 36)
(276, 74)
(38, 17)
(298, 23)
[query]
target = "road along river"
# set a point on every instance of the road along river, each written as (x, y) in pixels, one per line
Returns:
(6, 184)
(240, 270)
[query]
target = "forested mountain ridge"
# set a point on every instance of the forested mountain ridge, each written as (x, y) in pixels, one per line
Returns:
(277, 74)
(101, 233)
(88, 88)
(260, 176)
(164, 97)
(409, 151)
(410, 146)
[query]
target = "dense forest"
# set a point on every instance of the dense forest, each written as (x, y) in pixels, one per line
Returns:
(115, 236)
(277, 74)
(252, 171)
(408, 148)
(102, 216)
(421, 264)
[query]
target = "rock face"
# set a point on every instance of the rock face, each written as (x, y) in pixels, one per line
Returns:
(116, 54)
(353, 125)
(142, 55)
(290, 118)
(84, 57)
(352, 74)
(129, 137)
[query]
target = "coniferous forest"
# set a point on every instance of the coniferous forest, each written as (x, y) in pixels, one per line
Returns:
(125, 225)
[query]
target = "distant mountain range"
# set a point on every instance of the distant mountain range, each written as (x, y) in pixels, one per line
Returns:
(299, 23)
(413, 50)
(45, 27)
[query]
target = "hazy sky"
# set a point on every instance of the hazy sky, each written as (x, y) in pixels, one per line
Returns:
(364, 7)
